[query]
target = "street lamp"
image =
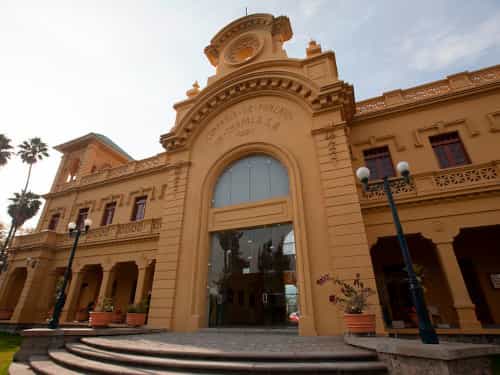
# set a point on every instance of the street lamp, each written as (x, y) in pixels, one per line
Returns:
(75, 232)
(426, 330)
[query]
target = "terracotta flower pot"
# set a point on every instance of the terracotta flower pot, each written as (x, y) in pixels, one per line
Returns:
(6, 314)
(360, 323)
(136, 319)
(117, 317)
(100, 318)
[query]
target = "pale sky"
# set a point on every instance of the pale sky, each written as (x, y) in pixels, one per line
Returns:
(68, 68)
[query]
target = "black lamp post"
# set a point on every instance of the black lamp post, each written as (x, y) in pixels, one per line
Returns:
(74, 231)
(426, 330)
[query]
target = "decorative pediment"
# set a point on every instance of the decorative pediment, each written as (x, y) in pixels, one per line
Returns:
(215, 99)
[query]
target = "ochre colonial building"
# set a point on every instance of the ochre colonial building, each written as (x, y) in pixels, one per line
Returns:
(255, 197)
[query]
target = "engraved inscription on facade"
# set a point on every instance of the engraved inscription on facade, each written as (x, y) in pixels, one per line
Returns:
(246, 119)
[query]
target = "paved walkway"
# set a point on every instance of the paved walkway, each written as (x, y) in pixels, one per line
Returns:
(233, 342)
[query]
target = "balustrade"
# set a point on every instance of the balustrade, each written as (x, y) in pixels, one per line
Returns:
(452, 180)
(144, 228)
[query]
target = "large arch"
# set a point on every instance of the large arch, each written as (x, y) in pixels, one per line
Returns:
(14, 288)
(295, 205)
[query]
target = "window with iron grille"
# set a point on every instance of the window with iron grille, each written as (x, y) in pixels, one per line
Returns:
(449, 150)
(378, 161)
(54, 220)
(139, 208)
(109, 212)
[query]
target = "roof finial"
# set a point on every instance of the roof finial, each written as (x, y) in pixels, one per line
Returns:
(195, 90)
(313, 48)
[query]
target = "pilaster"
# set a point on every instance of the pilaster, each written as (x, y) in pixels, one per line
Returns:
(348, 246)
(169, 247)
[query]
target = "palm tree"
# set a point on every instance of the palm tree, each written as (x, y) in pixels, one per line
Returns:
(30, 152)
(24, 206)
(5, 147)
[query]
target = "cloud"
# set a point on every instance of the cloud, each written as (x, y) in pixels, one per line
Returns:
(448, 47)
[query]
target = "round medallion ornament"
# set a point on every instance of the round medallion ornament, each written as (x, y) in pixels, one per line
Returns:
(243, 49)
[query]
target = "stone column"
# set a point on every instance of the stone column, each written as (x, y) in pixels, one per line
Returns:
(461, 300)
(72, 296)
(141, 283)
(106, 283)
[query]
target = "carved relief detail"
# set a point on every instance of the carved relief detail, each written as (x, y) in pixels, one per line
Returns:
(88, 203)
(461, 177)
(432, 90)
(494, 119)
(149, 191)
(398, 187)
(110, 198)
(340, 94)
(378, 140)
(441, 127)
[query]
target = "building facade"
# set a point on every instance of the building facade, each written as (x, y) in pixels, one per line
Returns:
(255, 197)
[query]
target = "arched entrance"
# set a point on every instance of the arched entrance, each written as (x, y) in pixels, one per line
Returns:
(14, 289)
(251, 271)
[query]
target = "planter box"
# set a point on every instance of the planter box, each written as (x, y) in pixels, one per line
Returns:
(136, 319)
(360, 323)
(118, 317)
(6, 314)
(100, 318)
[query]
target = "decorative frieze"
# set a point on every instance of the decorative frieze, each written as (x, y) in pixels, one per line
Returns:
(436, 89)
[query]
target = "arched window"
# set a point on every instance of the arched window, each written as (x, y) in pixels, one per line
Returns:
(251, 179)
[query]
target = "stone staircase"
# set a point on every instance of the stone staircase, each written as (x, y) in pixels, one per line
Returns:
(106, 356)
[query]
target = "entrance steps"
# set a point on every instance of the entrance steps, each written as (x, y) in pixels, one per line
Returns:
(223, 354)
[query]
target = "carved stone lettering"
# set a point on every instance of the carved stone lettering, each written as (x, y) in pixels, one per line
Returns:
(244, 120)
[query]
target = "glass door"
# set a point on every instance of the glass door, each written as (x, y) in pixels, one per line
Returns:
(251, 278)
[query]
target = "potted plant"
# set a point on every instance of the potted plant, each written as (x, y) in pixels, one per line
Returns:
(136, 314)
(103, 314)
(353, 298)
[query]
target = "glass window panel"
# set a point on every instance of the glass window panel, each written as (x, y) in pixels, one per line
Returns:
(240, 182)
(458, 153)
(251, 179)
(260, 186)
(441, 156)
(279, 179)
(222, 195)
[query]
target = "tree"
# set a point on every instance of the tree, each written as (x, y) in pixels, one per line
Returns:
(5, 148)
(24, 206)
(30, 152)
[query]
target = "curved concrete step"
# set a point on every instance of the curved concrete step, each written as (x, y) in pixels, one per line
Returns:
(204, 353)
(217, 366)
(44, 365)
(16, 368)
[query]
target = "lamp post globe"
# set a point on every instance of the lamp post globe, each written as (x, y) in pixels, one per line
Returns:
(87, 224)
(71, 226)
(403, 168)
(363, 174)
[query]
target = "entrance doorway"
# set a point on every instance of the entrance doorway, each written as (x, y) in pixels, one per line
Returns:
(251, 277)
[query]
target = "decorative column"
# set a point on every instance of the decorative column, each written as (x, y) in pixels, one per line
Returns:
(106, 283)
(461, 300)
(73, 294)
(141, 282)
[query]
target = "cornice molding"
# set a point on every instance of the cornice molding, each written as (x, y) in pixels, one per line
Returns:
(221, 94)
(456, 86)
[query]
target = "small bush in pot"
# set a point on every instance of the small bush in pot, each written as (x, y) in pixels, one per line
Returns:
(136, 314)
(353, 298)
(103, 314)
